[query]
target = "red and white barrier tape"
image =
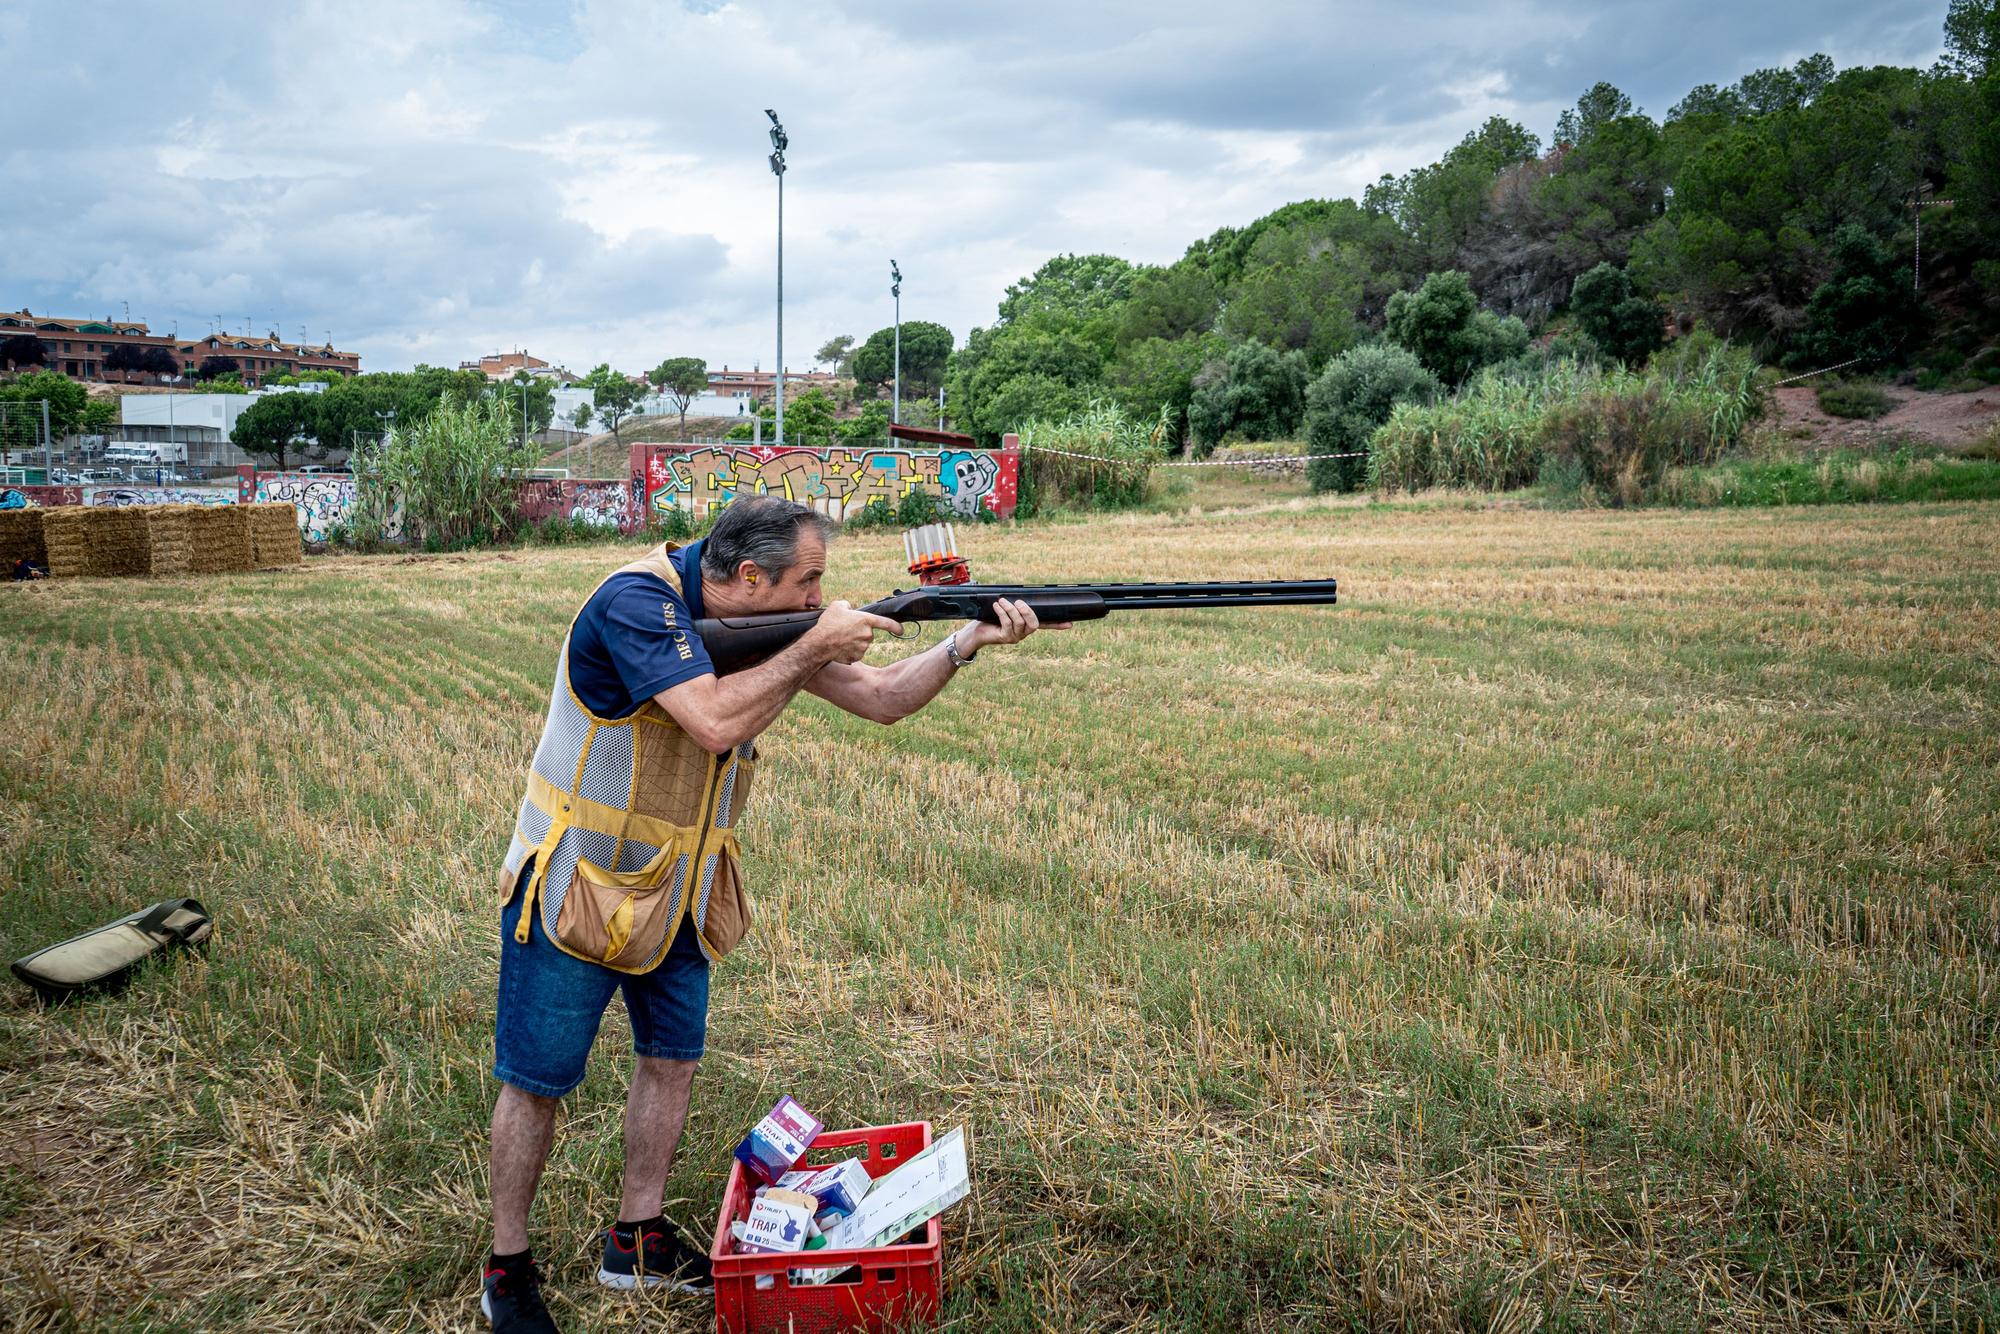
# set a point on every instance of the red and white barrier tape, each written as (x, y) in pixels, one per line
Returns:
(1194, 463)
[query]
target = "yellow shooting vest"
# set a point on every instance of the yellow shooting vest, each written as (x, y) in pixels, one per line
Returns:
(631, 825)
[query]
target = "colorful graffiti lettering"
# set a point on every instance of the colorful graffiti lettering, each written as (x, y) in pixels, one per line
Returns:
(839, 482)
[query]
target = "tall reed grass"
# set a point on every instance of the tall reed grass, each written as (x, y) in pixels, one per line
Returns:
(1619, 429)
(1121, 450)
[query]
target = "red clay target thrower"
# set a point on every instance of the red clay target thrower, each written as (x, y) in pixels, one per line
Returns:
(934, 558)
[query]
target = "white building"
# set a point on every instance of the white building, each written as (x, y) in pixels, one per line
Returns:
(203, 422)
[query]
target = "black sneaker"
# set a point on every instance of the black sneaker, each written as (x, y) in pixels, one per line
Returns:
(661, 1258)
(512, 1301)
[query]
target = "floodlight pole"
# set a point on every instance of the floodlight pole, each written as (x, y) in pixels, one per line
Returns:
(778, 143)
(896, 290)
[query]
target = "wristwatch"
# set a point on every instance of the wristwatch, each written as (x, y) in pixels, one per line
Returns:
(951, 651)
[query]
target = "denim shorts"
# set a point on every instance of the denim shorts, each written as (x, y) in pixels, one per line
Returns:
(551, 1002)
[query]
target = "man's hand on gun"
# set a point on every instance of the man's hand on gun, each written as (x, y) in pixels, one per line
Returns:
(847, 633)
(1017, 622)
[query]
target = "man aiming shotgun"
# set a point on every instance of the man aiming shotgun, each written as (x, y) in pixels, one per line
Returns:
(623, 873)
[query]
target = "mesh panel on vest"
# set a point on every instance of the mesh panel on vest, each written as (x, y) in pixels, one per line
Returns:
(722, 811)
(533, 824)
(607, 770)
(634, 855)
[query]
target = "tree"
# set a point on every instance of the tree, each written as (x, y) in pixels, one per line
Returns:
(123, 357)
(615, 398)
(1442, 324)
(1256, 392)
(1172, 302)
(1596, 108)
(1074, 286)
(22, 350)
(1864, 309)
(1159, 373)
(926, 351)
(161, 361)
(213, 366)
(833, 352)
(580, 417)
(1350, 400)
(1297, 293)
(277, 425)
(67, 399)
(681, 379)
(1624, 326)
(981, 371)
(531, 399)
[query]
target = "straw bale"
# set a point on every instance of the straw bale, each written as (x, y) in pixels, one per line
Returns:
(168, 549)
(116, 537)
(21, 535)
(220, 538)
(274, 534)
(63, 538)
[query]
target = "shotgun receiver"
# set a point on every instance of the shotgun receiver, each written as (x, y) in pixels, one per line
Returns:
(736, 642)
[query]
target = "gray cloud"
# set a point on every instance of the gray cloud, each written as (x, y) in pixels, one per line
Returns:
(432, 181)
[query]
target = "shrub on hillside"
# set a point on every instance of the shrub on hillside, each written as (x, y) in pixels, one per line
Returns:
(1442, 324)
(1627, 327)
(1256, 392)
(1861, 402)
(1349, 402)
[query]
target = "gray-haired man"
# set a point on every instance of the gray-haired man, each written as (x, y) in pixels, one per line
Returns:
(623, 872)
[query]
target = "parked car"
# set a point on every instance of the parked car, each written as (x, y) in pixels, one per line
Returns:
(103, 477)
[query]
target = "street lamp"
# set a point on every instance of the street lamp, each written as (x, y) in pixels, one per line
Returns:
(778, 144)
(896, 290)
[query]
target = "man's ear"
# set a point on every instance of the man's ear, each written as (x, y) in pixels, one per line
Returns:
(748, 572)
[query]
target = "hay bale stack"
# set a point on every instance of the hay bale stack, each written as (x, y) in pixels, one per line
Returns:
(63, 540)
(117, 539)
(274, 534)
(219, 536)
(21, 535)
(168, 548)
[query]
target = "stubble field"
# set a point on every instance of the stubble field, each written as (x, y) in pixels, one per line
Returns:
(1592, 923)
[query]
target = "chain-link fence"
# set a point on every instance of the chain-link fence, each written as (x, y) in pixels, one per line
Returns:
(24, 432)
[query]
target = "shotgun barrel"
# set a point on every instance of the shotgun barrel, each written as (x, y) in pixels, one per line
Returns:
(736, 642)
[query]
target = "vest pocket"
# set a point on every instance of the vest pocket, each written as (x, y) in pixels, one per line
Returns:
(727, 918)
(621, 918)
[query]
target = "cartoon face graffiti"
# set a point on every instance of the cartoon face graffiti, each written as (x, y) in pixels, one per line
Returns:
(967, 479)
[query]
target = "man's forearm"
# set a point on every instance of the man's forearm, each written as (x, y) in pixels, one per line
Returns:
(721, 712)
(749, 701)
(903, 687)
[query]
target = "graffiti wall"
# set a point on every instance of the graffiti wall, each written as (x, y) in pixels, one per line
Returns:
(50, 495)
(838, 482)
(114, 496)
(323, 500)
(600, 504)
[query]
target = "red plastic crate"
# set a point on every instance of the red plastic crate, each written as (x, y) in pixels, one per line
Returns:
(897, 1288)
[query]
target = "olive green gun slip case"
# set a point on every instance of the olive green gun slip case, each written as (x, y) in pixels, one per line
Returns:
(105, 956)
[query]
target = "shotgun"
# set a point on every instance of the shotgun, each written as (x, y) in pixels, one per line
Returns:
(736, 642)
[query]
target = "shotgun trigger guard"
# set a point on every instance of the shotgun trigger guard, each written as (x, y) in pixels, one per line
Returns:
(913, 628)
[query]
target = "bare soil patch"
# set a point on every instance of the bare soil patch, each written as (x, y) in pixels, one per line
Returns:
(1951, 420)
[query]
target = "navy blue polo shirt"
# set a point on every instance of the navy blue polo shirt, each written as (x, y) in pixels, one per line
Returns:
(635, 637)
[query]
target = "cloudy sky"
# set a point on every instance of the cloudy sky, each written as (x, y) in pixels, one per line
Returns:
(428, 180)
